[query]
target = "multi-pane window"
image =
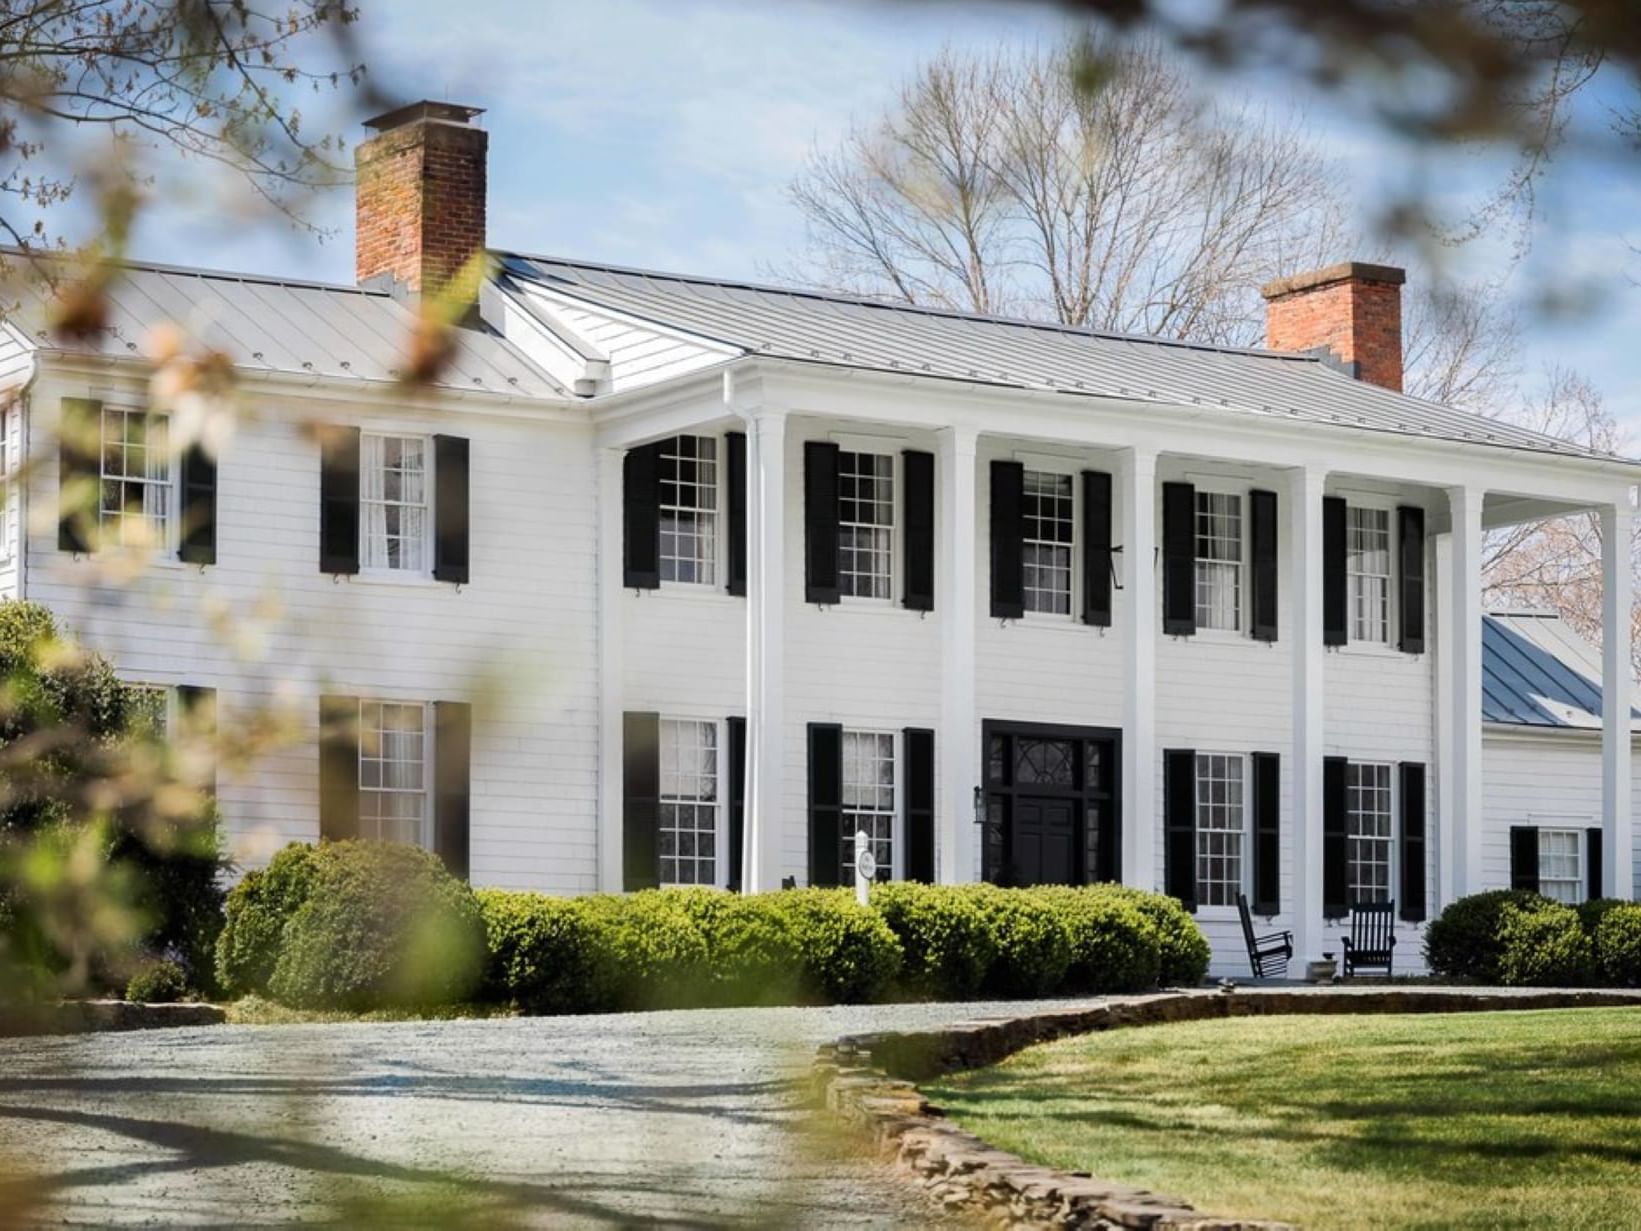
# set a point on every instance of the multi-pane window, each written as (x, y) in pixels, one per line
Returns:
(1219, 560)
(1369, 831)
(1367, 565)
(868, 798)
(393, 503)
(1221, 828)
(393, 771)
(137, 491)
(1561, 865)
(688, 835)
(689, 509)
(1046, 551)
(866, 524)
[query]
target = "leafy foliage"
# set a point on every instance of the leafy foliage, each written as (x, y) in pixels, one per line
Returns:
(1183, 949)
(1465, 941)
(1114, 946)
(161, 982)
(945, 936)
(1618, 945)
(258, 908)
(1543, 945)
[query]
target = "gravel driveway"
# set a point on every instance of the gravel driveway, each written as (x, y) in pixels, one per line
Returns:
(683, 1119)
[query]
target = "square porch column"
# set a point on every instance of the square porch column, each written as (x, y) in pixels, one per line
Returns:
(765, 642)
(1305, 490)
(1462, 657)
(1618, 863)
(1137, 475)
(957, 749)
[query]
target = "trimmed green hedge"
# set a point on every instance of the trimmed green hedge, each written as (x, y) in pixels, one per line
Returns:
(1618, 945)
(1519, 938)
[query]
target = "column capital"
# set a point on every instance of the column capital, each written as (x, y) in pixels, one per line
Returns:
(1138, 459)
(960, 437)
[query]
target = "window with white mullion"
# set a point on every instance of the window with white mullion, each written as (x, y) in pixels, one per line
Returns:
(1561, 865)
(688, 832)
(868, 798)
(689, 510)
(137, 494)
(1222, 825)
(1369, 831)
(1367, 565)
(866, 525)
(393, 503)
(1219, 560)
(393, 761)
(1046, 551)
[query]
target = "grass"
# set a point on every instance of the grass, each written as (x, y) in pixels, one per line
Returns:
(257, 1011)
(1455, 1120)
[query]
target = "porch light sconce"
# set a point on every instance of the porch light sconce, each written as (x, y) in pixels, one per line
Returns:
(979, 806)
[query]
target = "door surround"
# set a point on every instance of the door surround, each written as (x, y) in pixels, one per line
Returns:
(1073, 763)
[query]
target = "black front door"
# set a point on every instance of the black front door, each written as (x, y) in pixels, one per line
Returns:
(1051, 805)
(1045, 841)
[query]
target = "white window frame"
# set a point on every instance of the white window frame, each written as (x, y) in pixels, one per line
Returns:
(1243, 832)
(424, 838)
(429, 511)
(1353, 817)
(1578, 884)
(718, 805)
(710, 562)
(161, 544)
(881, 451)
(1238, 492)
(1354, 578)
(1067, 472)
(847, 826)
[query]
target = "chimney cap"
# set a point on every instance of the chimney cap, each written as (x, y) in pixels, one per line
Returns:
(1343, 271)
(427, 109)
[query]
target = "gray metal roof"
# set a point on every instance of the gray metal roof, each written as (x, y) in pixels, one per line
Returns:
(276, 326)
(1537, 672)
(871, 334)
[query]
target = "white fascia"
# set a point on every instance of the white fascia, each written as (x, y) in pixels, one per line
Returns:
(545, 340)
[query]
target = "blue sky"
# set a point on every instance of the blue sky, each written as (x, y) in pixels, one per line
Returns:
(663, 134)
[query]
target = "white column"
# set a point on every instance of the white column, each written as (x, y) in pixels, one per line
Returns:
(958, 744)
(765, 627)
(1463, 657)
(1618, 863)
(1446, 846)
(1137, 474)
(1305, 491)
(609, 669)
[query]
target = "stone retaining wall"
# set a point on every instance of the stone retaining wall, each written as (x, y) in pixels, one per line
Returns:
(84, 1016)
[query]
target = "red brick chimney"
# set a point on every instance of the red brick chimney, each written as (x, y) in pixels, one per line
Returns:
(1350, 312)
(420, 196)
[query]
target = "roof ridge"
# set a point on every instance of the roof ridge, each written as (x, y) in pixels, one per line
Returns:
(201, 271)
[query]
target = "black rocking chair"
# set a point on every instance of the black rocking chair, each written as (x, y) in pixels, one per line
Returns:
(1372, 940)
(1269, 954)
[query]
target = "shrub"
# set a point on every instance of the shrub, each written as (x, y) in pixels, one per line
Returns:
(382, 925)
(1033, 941)
(1618, 944)
(847, 954)
(545, 954)
(1542, 945)
(1593, 910)
(1182, 948)
(1463, 942)
(257, 911)
(157, 982)
(945, 936)
(656, 950)
(1114, 946)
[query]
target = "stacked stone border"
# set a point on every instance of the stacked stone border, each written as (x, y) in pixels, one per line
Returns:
(869, 1080)
(91, 1016)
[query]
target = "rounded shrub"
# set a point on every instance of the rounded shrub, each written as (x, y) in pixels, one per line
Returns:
(847, 954)
(545, 954)
(1463, 942)
(1183, 952)
(257, 910)
(1114, 946)
(946, 938)
(655, 947)
(1033, 941)
(1543, 945)
(1593, 910)
(1618, 945)
(161, 982)
(382, 924)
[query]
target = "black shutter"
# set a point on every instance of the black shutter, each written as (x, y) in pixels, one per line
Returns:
(339, 500)
(737, 803)
(1179, 559)
(640, 800)
(198, 534)
(197, 704)
(641, 518)
(917, 758)
(338, 768)
(450, 509)
(1267, 775)
(735, 506)
(1008, 532)
(1592, 862)
(1262, 547)
(918, 499)
(1335, 848)
(1097, 548)
(1413, 841)
(79, 443)
(1524, 857)
(452, 783)
(1179, 810)
(1335, 597)
(1410, 577)
(820, 522)
(825, 803)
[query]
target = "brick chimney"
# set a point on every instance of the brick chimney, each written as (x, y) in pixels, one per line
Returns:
(1349, 312)
(420, 196)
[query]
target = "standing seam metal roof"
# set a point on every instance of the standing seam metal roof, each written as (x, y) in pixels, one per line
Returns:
(1536, 672)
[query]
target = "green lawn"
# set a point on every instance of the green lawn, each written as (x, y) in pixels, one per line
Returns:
(1461, 1120)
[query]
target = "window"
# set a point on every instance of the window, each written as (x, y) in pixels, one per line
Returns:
(1368, 832)
(137, 492)
(866, 524)
(393, 499)
(1367, 565)
(689, 510)
(1046, 550)
(868, 798)
(1219, 560)
(688, 837)
(1561, 865)
(1221, 828)
(393, 771)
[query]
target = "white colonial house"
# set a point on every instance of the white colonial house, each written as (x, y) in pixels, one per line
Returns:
(668, 579)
